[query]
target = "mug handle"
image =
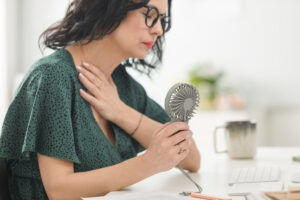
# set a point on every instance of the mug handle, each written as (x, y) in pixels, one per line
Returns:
(215, 139)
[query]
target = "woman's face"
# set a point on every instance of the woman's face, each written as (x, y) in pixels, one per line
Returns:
(133, 37)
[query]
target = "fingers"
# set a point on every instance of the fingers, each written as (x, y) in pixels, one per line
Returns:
(89, 98)
(94, 70)
(182, 147)
(163, 127)
(93, 78)
(173, 128)
(111, 81)
(90, 76)
(88, 84)
(176, 134)
(180, 151)
(180, 137)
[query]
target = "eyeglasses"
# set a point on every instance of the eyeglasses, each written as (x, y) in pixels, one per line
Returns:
(152, 16)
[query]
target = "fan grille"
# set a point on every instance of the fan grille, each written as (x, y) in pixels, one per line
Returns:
(181, 102)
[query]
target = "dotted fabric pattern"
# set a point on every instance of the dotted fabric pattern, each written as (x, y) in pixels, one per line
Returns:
(48, 116)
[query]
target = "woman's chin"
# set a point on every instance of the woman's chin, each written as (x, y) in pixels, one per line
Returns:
(141, 56)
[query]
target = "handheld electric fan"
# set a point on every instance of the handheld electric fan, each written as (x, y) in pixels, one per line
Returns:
(180, 104)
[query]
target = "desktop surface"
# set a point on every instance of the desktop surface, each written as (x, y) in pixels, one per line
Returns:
(215, 172)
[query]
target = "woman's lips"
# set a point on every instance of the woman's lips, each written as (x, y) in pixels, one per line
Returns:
(148, 44)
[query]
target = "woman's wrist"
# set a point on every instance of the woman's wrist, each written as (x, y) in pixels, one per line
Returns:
(127, 118)
(148, 164)
(193, 160)
(120, 113)
(137, 126)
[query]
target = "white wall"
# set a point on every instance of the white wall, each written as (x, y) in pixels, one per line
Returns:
(13, 43)
(3, 69)
(27, 20)
(284, 126)
(258, 46)
(256, 42)
(37, 16)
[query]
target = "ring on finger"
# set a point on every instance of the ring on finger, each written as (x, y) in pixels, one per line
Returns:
(181, 150)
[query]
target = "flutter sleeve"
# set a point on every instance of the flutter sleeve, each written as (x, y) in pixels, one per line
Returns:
(39, 118)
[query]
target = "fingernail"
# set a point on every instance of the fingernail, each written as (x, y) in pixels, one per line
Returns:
(78, 67)
(86, 64)
(81, 75)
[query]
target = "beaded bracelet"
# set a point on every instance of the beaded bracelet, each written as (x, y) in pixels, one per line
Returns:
(133, 132)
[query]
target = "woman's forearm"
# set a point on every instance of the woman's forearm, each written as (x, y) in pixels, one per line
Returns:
(128, 119)
(193, 159)
(144, 133)
(101, 181)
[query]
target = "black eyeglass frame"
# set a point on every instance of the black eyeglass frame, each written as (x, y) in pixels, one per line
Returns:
(164, 18)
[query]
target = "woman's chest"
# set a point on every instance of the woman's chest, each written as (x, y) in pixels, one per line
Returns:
(105, 127)
(99, 144)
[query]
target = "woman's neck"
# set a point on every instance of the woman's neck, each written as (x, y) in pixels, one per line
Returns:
(100, 53)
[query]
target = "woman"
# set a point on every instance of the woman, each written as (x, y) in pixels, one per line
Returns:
(74, 132)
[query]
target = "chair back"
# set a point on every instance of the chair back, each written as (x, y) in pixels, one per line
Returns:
(4, 192)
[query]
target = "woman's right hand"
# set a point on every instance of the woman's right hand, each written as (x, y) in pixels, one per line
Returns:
(169, 146)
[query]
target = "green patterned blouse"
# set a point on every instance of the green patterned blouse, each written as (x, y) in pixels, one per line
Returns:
(48, 116)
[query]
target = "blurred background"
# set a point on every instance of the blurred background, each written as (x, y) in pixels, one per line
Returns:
(242, 55)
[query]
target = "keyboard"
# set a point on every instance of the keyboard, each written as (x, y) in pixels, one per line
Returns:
(257, 174)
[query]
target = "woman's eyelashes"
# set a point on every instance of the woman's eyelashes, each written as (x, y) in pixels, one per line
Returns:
(148, 16)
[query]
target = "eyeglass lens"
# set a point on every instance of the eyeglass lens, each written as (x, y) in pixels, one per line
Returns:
(153, 16)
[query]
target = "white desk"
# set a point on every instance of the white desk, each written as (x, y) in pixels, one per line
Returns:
(215, 170)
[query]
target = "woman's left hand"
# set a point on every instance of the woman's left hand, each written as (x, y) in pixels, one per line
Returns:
(102, 92)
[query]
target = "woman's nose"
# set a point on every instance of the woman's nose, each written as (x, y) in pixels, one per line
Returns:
(157, 28)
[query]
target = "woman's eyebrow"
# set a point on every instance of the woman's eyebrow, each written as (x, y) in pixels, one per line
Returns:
(164, 14)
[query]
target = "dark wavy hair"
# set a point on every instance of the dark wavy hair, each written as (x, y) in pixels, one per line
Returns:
(93, 19)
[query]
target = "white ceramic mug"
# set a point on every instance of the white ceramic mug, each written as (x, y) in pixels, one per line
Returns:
(240, 138)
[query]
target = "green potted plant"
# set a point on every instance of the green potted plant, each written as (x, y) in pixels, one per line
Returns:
(206, 79)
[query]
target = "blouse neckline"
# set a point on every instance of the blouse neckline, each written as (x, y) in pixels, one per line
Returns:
(70, 57)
